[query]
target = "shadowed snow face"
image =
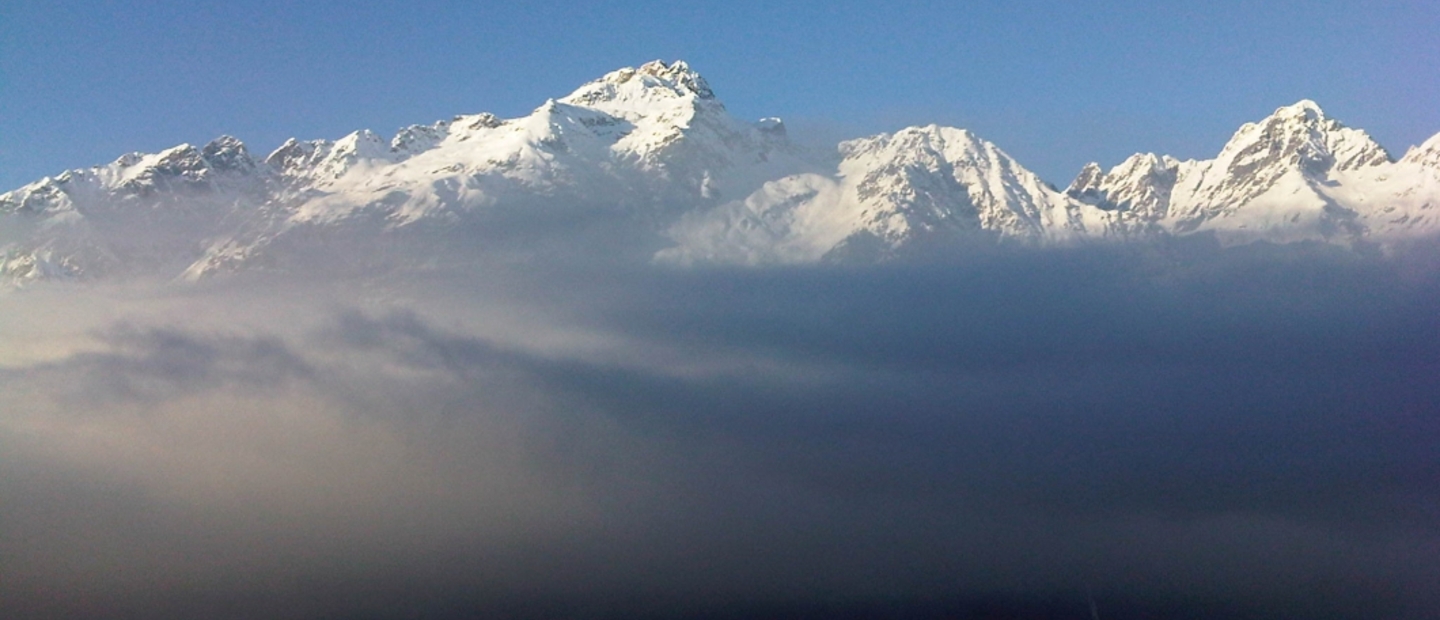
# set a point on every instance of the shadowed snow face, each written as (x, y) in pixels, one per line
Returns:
(1183, 433)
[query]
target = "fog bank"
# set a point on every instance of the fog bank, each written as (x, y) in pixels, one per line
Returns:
(1183, 432)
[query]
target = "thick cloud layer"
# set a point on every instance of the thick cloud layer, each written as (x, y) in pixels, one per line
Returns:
(1181, 432)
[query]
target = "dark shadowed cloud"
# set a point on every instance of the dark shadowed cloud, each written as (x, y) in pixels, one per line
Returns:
(1185, 432)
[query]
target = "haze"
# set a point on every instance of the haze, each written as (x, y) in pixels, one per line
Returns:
(1250, 434)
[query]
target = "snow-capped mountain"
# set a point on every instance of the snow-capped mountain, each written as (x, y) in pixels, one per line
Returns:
(1296, 175)
(919, 184)
(641, 142)
(653, 153)
(654, 134)
(140, 212)
(645, 143)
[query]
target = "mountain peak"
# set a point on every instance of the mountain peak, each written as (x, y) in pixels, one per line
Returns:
(654, 141)
(1141, 184)
(226, 153)
(1303, 109)
(1299, 135)
(1427, 154)
(634, 89)
(678, 73)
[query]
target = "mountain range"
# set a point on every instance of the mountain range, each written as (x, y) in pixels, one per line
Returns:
(649, 165)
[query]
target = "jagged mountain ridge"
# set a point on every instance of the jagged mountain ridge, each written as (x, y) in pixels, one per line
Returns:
(640, 141)
(888, 191)
(655, 149)
(1296, 175)
(127, 216)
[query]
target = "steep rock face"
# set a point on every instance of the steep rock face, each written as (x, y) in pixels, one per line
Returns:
(891, 190)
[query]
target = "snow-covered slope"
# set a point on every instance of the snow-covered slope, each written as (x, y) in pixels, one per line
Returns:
(653, 153)
(1296, 175)
(1398, 201)
(918, 185)
(646, 142)
(644, 136)
(141, 212)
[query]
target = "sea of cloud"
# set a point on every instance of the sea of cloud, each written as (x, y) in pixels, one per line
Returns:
(1179, 430)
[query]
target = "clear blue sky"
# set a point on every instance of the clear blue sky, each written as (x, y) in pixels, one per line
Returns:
(1055, 83)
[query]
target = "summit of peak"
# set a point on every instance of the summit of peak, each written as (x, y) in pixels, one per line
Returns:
(1427, 153)
(680, 74)
(1091, 175)
(1305, 109)
(653, 81)
(225, 141)
(228, 153)
(933, 134)
(1300, 134)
